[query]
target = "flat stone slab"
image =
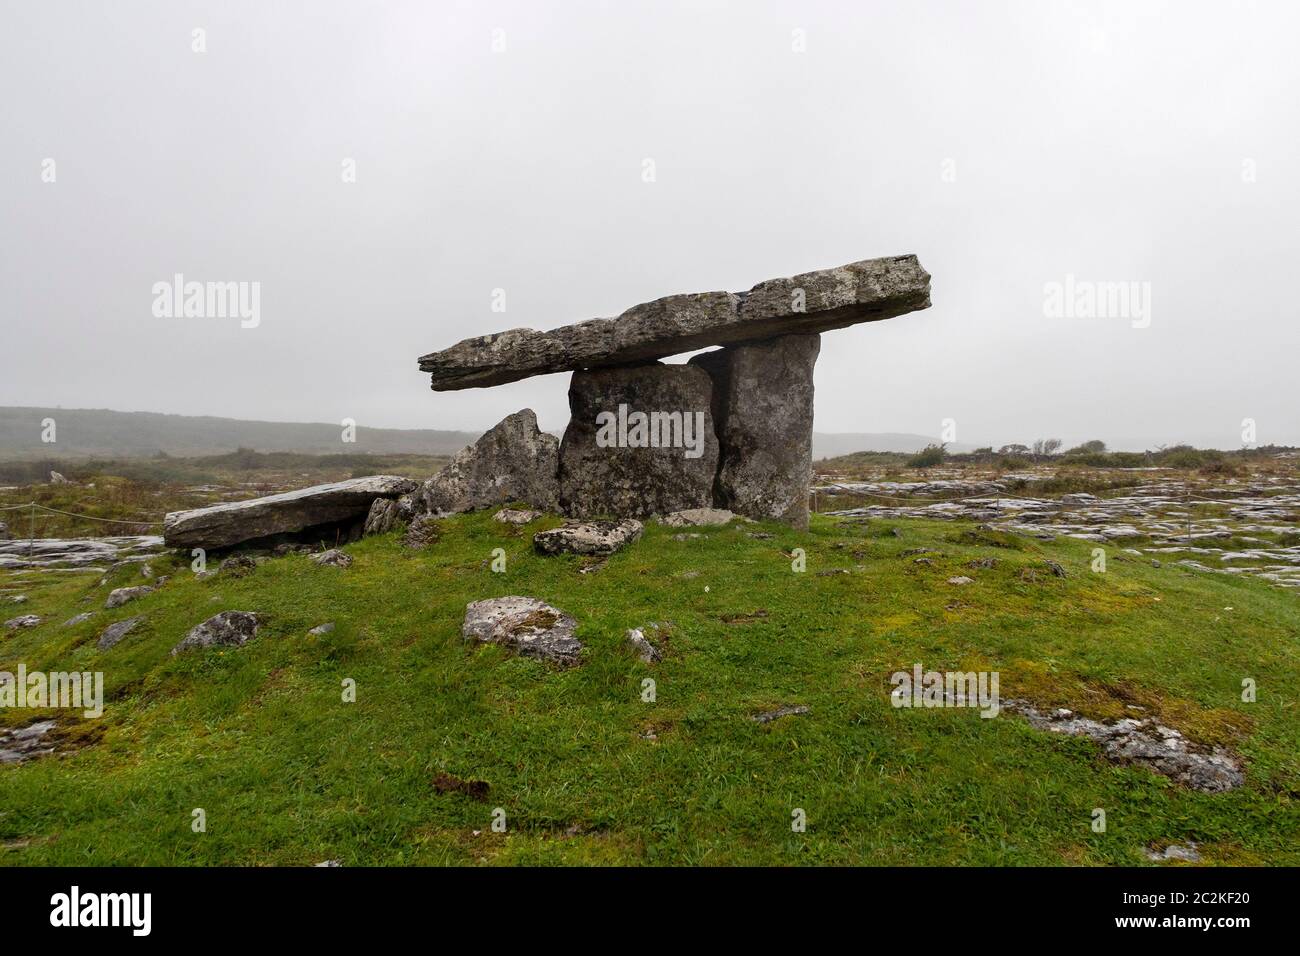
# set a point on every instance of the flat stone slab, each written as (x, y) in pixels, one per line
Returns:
(226, 525)
(863, 291)
(525, 625)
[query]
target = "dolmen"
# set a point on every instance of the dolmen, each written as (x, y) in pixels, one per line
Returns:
(729, 429)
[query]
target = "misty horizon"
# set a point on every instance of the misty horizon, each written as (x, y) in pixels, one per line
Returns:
(380, 174)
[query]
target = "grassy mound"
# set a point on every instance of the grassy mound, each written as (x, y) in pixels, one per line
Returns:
(442, 734)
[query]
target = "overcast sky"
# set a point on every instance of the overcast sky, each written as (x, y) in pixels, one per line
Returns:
(1007, 144)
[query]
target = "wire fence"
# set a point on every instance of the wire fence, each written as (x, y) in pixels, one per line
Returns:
(32, 507)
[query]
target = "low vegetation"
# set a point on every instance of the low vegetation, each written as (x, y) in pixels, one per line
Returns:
(587, 770)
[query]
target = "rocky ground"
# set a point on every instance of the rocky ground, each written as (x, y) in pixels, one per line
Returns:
(1236, 525)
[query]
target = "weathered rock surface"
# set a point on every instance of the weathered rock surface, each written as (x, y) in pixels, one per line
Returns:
(24, 743)
(422, 532)
(383, 517)
(516, 516)
(26, 620)
(225, 525)
(588, 537)
(525, 625)
(515, 461)
(333, 558)
(115, 632)
(77, 552)
(1144, 743)
(119, 596)
(614, 463)
(698, 518)
(227, 629)
(763, 413)
(812, 302)
(78, 618)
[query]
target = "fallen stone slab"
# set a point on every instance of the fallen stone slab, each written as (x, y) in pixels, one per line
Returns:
(226, 525)
(763, 413)
(526, 625)
(811, 302)
(116, 631)
(514, 461)
(588, 537)
(227, 629)
(698, 518)
(640, 442)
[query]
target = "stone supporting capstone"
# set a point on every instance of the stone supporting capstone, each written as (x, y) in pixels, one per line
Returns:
(640, 442)
(763, 413)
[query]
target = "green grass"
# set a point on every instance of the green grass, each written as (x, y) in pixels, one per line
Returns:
(288, 773)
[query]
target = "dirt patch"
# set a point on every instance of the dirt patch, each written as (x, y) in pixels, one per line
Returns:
(449, 783)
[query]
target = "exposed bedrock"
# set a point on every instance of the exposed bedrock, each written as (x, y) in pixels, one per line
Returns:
(640, 442)
(763, 413)
(808, 303)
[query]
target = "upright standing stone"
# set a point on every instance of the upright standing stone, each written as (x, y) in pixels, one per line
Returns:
(640, 442)
(763, 412)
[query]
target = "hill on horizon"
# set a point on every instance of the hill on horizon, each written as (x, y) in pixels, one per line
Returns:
(101, 432)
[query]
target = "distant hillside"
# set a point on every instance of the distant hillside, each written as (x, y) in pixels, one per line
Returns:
(83, 432)
(101, 433)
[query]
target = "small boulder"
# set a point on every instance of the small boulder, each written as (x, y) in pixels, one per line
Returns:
(588, 537)
(119, 596)
(333, 558)
(78, 619)
(227, 629)
(27, 620)
(322, 629)
(961, 579)
(525, 625)
(698, 518)
(116, 631)
(58, 479)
